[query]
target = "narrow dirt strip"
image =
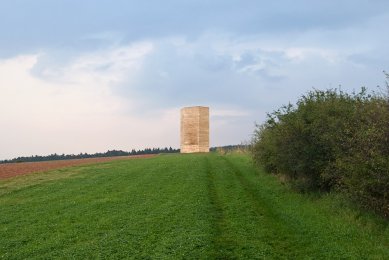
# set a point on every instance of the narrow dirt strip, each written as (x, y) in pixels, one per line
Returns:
(9, 170)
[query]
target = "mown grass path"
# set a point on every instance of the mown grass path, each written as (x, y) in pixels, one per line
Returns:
(177, 207)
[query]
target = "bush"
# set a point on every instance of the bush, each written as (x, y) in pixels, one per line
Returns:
(366, 165)
(330, 140)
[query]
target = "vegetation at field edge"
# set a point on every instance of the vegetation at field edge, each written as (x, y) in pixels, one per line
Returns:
(331, 141)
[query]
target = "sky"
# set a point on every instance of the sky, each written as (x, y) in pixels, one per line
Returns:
(91, 76)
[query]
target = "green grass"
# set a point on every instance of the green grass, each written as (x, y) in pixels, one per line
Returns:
(181, 207)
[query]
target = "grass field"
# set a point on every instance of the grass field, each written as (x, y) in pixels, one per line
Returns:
(178, 206)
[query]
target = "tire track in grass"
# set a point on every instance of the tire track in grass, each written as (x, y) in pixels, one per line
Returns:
(280, 237)
(222, 243)
(298, 231)
(294, 234)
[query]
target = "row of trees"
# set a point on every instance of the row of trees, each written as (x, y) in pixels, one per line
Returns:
(239, 148)
(109, 153)
(331, 140)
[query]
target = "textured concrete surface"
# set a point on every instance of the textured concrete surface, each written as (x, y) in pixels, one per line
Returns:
(195, 129)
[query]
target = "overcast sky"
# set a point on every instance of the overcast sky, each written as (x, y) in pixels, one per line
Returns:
(88, 76)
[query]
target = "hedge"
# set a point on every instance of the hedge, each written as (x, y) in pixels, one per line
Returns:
(330, 140)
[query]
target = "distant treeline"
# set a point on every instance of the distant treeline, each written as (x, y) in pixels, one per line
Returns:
(230, 148)
(112, 153)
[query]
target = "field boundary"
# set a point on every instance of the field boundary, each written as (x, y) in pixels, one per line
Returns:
(10, 170)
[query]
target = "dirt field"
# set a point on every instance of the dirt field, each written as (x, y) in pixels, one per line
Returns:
(9, 170)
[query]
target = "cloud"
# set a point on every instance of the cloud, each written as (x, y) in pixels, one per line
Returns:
(72, 106)
(111, 79)
(203, 71)
(105, 66)
(75, 110)
(46, 24)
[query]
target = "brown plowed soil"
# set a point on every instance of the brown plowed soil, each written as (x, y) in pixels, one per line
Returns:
(9, 170)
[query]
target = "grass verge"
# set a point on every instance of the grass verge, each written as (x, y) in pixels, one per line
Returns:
(178, 206)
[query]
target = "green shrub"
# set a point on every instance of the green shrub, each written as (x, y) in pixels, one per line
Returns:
(366, 165)
(330, 140)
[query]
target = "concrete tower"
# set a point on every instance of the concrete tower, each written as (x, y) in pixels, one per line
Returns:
(195, 129)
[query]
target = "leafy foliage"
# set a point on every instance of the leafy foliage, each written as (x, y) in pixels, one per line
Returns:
(331, 140)
(231, 149)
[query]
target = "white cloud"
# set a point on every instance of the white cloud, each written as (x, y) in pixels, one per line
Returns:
(128, 96)
(73, 110)
(300, 54)
(105, 66)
